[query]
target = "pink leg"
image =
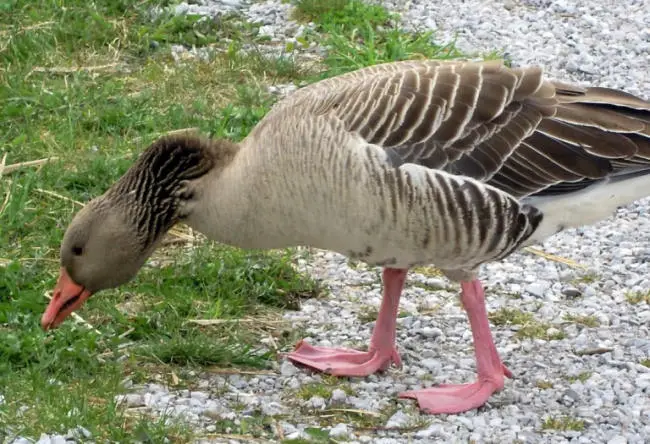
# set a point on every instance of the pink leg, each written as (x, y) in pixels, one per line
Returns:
(449, 398)
(382, 350)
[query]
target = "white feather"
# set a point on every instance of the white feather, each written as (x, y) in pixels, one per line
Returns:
(587, 206)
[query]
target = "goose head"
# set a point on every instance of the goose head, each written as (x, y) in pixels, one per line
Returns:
(110, 239)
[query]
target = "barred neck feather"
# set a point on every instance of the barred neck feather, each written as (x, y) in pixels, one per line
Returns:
(153, 188)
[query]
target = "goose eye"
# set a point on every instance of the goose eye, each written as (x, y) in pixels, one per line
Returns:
(77, 251)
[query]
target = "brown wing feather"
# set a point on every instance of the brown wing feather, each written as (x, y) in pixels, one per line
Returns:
(508, 127)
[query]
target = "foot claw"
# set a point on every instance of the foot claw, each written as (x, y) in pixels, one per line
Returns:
(343, 362)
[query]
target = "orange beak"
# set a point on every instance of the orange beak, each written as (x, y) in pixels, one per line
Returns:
(68, 296)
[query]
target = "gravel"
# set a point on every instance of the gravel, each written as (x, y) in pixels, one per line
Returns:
(585, 42)
(593, 374)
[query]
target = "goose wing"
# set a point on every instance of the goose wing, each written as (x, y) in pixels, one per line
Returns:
(503, 126)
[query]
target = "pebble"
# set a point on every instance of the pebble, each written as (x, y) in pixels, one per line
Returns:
(199, 396)
(431, 364)
(79, 433)
(537, 289)
(433, 430)
(399, 419)
(430, 332)
(51, 439)
(571, 292)
(339, 430)
(131, 399)
(208, 9)
(288, 369)
(338, 395)
(272, 408)
(317, 402)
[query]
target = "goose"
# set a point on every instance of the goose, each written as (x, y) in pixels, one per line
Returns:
(401, 164)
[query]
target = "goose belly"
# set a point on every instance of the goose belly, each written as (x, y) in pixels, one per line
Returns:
(401, 244)
(406, 220)
(388, 252)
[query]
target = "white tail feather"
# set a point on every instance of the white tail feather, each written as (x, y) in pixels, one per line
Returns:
(587, 206)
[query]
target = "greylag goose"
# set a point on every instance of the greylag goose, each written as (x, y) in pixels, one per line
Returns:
(408, 163)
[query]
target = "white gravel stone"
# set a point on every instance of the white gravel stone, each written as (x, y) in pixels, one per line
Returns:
(339, 430)
(44, 439)
(51, 439)
(399, 419)
(199, 396)
(131, 399)
(288, 369)
(538, 289)
(338, 395)
(566, 37)
(79, 432)
(317, 402)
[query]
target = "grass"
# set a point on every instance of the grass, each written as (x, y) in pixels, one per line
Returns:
(510, 316)
(315, 10)
(430, 272)
(638, 297)
(429, 287)
(586, 278)
(358, 34)
(527, 326)
(582, 377)
(369, 314)
(563, 423)
(85, 83)
(586, 320)
(323, 389)
(92, 84)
